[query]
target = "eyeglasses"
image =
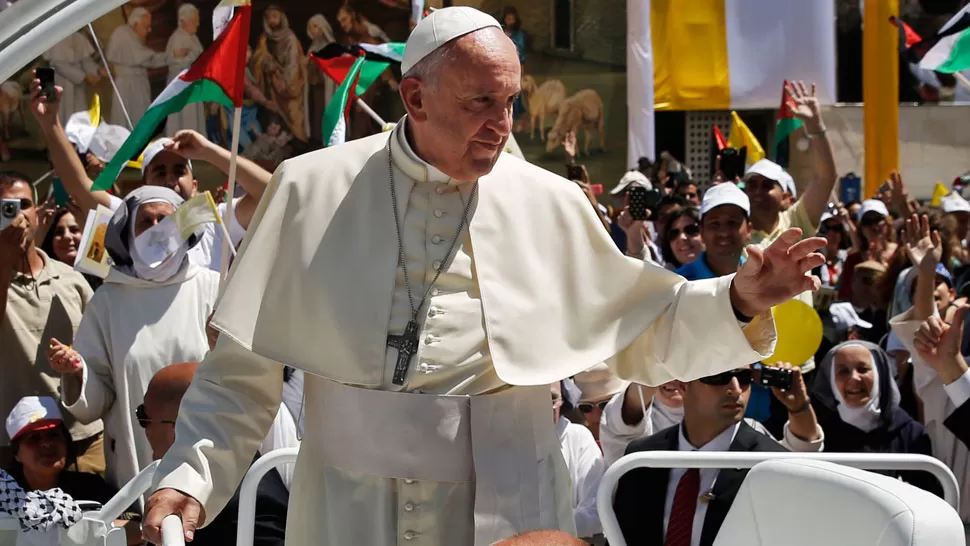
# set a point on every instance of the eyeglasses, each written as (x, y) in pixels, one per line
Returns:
(143, 419)
(586, 407)
(692, 230)
(743, 376)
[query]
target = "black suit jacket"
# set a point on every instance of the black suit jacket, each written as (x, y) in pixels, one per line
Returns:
(642, 492)
(959, 423)
(272, 498)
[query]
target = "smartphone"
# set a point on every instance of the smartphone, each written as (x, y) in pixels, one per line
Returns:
(732, 163)
(776, 377)
(597, 189)
(9, 209)
(638, 202)
(46, 77)
(575, 172)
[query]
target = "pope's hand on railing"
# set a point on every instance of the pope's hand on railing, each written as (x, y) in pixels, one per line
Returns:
(167, 502)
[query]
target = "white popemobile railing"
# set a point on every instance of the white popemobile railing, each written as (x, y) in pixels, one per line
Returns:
(698, 459)
(246, 525)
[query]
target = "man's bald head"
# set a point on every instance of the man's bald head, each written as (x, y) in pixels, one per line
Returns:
(542, 538)
(459, 102)
(162, 400)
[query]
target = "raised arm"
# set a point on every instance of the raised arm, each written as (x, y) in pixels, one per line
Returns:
(806, 107)
(66, 162)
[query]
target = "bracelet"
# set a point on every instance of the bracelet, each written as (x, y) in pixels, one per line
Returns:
(802, 409)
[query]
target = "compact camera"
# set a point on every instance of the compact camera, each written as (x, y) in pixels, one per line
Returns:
(9, 209)
(775, 377)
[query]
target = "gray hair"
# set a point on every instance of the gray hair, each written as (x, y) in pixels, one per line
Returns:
(186, 11)
(136, 15)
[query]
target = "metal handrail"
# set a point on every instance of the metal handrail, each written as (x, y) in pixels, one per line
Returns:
(246, 527)
(699, 459)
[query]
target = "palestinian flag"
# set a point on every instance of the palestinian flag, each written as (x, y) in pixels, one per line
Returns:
(718, 143)
(337, 114)
(785, 125)
(355, 69)
(335, 61)
(911, 44)
(217, 75)
(949, 49)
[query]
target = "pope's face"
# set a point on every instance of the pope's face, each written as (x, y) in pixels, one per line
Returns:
(462, 119)
(143, 26)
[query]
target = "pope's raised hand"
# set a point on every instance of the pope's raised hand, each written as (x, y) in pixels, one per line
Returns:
(776, 274)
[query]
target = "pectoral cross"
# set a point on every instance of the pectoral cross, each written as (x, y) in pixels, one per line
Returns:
(407, 346)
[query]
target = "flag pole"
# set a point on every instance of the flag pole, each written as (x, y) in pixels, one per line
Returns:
(370, 112)
(107, 69)
(962, 79)
(230, 192)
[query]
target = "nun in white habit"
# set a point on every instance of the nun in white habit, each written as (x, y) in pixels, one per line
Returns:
(150, 312)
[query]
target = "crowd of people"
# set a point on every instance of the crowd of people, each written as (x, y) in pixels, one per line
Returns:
(95, 369)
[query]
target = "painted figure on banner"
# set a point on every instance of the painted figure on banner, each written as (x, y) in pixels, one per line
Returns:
(271, 148)
(320, 87)
(358, 29)
(74, 66)
(280, 70)
(130, 60)
(183, 49)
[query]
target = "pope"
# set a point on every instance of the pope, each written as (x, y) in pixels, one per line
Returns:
(432, 287)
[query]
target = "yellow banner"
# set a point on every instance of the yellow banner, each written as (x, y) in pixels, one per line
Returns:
(880, 81)
(740, 136)
(690, 55)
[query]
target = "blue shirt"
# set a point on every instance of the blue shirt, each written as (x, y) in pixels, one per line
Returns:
(698, 269)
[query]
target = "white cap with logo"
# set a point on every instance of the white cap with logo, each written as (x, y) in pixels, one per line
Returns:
(439, 28)
(31, 414)
(773, 171)
(726, 193)
(631, 177)
(153, 150)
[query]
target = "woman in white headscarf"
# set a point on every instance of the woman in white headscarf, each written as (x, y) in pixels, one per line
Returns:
(150, 312)
(321, 88)
(857, 404)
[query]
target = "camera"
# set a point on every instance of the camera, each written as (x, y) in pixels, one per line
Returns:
(9, 209)
(775, 377)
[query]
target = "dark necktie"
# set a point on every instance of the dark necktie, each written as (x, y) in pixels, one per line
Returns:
(682, 511)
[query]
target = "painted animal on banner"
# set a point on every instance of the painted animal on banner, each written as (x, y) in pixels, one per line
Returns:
(584, 109)
(542, 100)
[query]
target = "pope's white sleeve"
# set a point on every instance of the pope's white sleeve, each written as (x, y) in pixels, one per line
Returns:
(225, 415)
(615, 434)
(696, 336)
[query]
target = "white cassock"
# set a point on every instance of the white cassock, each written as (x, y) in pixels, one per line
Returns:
(72, 60)
(130, 60)
(192, 116)
(536, 292)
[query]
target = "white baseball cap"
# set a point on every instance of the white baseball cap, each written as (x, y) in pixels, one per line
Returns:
(631, 177)
(871, 205)
(844, 316)
(726, 193)
(31, 414)
(153, 150)
(439, 28)
(954, 203)
(772, 171)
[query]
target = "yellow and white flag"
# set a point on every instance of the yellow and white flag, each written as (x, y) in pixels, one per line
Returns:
(194, 213)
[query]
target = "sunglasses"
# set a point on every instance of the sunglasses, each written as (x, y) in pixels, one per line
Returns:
(693, 230)
(143, 419)
(871, 220)
(743, 376)
(586, 407)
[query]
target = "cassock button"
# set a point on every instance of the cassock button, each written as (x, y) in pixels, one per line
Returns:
(434, 292)
(440, 189)
(410, 535)
(409, 481)
(437, 239)
(432, 312)
(436, 265)
(438, 213)
(428, 340)
(409, 507)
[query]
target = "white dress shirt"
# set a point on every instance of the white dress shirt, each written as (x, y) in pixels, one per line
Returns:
(959, 390)
(722, 442)
(586, 468)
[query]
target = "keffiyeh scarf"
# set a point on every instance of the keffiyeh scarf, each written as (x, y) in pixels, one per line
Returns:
(37, 510)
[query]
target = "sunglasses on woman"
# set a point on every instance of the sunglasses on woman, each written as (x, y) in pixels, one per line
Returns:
(693, 230)
(743, 376)
(142, 417)
(586, 407)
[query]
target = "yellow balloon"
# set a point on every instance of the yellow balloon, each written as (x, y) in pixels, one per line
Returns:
(799, 332)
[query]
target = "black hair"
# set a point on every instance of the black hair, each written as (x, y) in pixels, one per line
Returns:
(17, 469)
(668, 253)
(9, 178)
(668, 200)
(511, 10)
